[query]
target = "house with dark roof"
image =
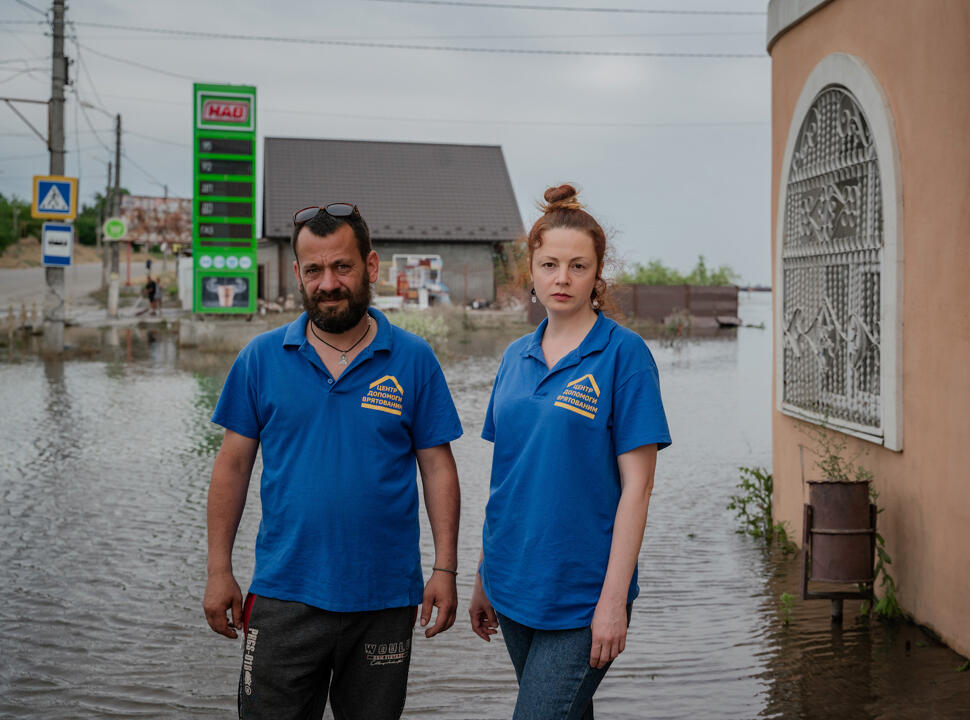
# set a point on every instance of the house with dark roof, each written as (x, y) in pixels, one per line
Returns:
(419, 199)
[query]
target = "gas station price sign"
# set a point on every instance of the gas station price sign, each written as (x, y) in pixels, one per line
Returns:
(224, 198)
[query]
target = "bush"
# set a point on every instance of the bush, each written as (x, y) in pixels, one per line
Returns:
(656, 273)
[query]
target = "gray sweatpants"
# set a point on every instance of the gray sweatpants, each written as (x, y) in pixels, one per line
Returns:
(295, 656)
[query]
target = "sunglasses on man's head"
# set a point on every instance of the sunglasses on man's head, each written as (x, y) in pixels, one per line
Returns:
(339, 209)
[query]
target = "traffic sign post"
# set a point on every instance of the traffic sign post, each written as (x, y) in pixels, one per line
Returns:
(224, 199)
(55, 197)
(57, 240)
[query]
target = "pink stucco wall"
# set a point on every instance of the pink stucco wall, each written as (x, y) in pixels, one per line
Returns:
(919, 53)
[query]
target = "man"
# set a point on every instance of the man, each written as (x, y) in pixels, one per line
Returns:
(151, 287)
(342, 403)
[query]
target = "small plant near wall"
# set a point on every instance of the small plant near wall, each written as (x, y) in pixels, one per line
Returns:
(752, 505)
(753, 508)
(886, 606)
(830, 453)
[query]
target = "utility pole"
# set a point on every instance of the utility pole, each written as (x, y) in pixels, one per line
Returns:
(102, 216)
(54, 297)
(115, 208)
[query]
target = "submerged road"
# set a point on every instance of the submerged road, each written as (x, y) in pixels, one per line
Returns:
(27, 285)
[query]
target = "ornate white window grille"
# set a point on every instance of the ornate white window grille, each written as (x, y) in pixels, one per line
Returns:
(831, 268)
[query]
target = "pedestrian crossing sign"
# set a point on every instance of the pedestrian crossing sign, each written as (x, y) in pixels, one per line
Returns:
(55, 197)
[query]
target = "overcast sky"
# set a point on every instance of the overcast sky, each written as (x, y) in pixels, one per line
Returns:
(671, 153)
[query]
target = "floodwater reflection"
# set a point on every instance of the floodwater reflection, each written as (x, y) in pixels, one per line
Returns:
(103, 482)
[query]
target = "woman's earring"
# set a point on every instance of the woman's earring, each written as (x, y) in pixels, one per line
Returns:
(534, 299)
(595, 302)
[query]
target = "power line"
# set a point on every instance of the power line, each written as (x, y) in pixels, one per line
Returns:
(31, 7)
(18, 73)
(144, 172)
(87, 119)
(504, 36)
(25, 134)
(157, 139)
(133, 63)
(568, 8)
(24, 60)
(389, 46)
(84, 68)
(540, 123)
(457, 121)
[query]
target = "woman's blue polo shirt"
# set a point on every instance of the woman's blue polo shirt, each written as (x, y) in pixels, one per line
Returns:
(339, 529)
(555, 479)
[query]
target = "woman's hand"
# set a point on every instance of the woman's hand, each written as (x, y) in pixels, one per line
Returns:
(609, 631)
(484, 622)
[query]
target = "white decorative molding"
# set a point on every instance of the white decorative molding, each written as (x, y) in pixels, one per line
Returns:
(783, 14)
(846, 71)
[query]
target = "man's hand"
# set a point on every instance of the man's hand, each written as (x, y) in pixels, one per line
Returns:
(227, 498)
(481, 613)
(440, 592)
(222, 594)
(609, 632)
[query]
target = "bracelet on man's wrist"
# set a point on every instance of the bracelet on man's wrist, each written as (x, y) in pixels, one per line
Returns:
(445, 570)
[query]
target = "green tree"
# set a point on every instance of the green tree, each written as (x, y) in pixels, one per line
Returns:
(12, 210)
(656, 273)
(86, 224)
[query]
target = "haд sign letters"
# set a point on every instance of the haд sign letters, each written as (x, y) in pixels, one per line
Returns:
(225, 111)
(224, 199)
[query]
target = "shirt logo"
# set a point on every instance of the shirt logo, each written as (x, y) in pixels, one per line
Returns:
(580, 396)
(385, 395)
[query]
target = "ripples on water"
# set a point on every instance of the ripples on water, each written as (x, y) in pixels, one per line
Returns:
(103, 480)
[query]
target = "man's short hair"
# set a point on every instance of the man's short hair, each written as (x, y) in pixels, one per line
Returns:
(323, 224)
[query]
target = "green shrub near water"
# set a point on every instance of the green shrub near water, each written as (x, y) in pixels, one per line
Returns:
(431, 326)
(753, 507)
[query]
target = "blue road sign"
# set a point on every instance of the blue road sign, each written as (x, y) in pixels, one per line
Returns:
(57, 243)
(55, 197)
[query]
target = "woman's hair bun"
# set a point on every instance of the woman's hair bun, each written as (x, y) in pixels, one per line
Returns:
(562, 197)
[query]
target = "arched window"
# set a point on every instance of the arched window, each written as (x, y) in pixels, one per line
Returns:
(831, 264)
(837, 362)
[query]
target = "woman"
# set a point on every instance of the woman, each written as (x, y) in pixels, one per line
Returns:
(576, 419)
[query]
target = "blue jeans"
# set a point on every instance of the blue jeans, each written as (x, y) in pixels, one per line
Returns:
(556, 681)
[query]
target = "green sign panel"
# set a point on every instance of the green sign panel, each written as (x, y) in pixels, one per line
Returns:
(114, 228)
(224, 199)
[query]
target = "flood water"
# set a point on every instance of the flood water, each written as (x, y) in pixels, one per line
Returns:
(104, 470)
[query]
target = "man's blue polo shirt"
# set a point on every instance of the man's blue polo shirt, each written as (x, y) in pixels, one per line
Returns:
(555, 479)
(339, 529)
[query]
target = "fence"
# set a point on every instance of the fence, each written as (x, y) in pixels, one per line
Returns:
(656, 303)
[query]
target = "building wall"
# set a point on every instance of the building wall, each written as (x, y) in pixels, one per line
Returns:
(466, 268)
(919, 54)
(268, 264)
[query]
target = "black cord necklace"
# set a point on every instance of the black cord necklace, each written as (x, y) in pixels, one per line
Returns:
(343, 353)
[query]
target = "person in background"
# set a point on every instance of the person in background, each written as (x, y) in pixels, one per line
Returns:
(148, 294)
(156, 298)
(576, 419)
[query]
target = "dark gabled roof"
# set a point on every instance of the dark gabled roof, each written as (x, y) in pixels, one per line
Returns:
(405, 191)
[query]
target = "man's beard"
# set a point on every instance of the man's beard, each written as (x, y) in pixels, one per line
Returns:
(337, 320)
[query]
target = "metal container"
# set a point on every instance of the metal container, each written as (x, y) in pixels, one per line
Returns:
(841, 532)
